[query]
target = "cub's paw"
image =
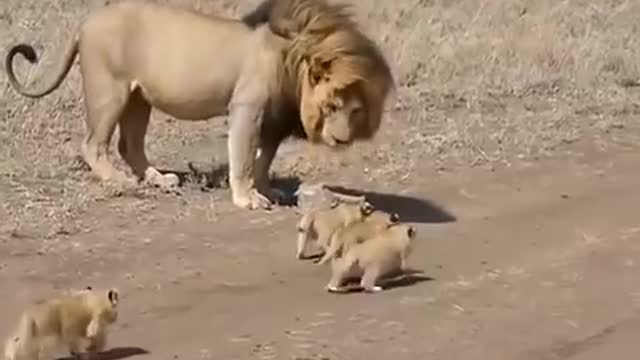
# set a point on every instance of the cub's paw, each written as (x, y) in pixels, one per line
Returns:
(372, 289)
(336, 289)
(252, 200)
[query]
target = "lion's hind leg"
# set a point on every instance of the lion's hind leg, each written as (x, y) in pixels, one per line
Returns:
(105, 99)
(133, 128)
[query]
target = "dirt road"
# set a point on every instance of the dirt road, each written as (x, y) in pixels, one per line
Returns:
(537, 262)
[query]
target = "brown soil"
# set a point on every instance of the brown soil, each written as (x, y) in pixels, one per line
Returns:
(513, 150)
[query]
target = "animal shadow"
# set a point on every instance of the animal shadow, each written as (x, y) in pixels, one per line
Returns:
(406, 280)
(113, 354)
(409, 209)
(409, 277)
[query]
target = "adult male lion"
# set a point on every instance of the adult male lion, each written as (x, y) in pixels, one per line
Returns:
(326, 83)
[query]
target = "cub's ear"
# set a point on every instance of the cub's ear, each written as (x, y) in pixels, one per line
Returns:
(394, 218)
(114, 296)
(318, 69)
(411, 231)
(334, 203)
(367, 208)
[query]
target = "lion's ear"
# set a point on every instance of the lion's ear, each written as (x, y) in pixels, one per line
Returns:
(317, 69)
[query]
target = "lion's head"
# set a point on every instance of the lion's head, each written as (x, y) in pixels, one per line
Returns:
(336, 74)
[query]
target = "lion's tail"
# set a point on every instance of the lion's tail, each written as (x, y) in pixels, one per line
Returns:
(29, 53)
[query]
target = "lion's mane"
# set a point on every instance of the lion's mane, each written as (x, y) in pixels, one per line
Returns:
(325, 32)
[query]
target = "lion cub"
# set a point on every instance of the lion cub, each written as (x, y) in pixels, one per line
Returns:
(358, 232)
(76, 319)
(384, 254)
(320, 224)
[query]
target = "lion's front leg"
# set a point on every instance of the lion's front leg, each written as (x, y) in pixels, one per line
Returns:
(244, 135)
(266, 154)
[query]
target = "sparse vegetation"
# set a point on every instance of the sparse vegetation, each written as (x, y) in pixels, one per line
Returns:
(478, 82)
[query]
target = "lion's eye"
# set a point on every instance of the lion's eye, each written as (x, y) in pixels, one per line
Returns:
(332, 108)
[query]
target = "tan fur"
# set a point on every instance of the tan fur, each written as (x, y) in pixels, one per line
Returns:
(320, 224)
(356, 233)
(324, 84)
(341, 62)
(79, 321)
(383, 255)
(74, 292)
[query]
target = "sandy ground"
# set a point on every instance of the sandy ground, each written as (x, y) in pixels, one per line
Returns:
(541, 262)
(520, 181)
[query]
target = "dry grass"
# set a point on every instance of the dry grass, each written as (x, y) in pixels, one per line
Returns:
(489, 81)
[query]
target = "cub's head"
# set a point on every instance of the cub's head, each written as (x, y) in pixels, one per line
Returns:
(105, 302)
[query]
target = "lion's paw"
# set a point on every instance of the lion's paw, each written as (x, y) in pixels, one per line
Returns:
(252, 200)
(275, 195)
